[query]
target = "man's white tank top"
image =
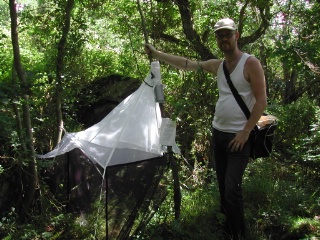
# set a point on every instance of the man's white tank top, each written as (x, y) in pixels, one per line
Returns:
(228, 115)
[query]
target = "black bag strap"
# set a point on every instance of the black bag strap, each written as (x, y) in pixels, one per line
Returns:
(235, 93)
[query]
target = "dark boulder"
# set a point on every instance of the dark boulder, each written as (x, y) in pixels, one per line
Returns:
(102, 95)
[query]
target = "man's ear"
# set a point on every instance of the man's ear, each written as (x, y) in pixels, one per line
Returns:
(237, 35)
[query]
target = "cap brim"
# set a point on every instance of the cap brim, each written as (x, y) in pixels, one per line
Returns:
(225, 27)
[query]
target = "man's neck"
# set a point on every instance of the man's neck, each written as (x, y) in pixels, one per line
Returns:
(232, 57)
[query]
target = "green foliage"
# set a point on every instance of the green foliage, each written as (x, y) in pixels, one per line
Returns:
(279, 199)
(199, 218)
(277, 205)
(296, 133)
(106, 38)
(55, 226)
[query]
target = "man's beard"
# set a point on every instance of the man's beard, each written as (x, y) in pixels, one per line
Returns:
(226, 47)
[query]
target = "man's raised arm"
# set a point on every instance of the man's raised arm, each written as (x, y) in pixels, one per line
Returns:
(182, 63)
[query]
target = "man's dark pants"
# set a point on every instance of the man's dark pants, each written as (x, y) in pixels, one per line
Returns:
(230, 167)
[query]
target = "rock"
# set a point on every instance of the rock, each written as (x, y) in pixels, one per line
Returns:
(98, 98)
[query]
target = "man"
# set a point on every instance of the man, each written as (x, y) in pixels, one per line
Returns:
(231, 127)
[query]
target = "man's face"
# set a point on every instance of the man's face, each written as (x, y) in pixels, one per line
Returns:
(226, 39)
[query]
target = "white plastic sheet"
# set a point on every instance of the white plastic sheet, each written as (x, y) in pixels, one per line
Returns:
(127, 134)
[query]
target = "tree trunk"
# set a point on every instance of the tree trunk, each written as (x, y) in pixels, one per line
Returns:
(29, 178)
(16, 110)
(60, 67)
(264, 63)
(290, 78)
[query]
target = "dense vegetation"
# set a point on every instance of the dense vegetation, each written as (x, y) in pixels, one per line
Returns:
(51, 50)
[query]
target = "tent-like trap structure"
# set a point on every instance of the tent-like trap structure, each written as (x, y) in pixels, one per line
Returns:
(121, 160)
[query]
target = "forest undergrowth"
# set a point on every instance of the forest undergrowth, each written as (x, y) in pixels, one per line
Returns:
(281, 195)
(279, 204)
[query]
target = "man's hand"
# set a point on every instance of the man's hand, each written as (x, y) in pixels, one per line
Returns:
(149, 49)
(236, 144)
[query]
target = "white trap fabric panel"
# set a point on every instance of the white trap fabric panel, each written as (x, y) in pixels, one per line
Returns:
(129, 133)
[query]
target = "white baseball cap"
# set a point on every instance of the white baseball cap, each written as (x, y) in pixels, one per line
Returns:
(225, 23)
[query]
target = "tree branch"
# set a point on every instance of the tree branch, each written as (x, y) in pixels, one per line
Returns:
(265, 15)
(191, 34)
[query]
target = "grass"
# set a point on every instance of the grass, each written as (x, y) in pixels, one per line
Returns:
(277, 206)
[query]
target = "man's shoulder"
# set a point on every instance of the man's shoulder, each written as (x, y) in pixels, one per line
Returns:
(252, 60)
(251, 57)
(252, 65)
